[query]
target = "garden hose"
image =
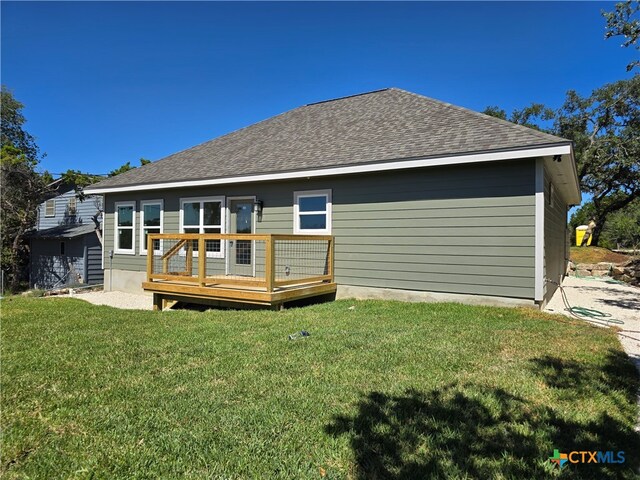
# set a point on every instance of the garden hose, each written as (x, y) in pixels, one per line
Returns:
(583, 313)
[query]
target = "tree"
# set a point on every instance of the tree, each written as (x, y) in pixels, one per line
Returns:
(623, 22)
(81, 180)
(605, 129)
(534, 116)
(23, 189)
(623, 229)
(126, 167)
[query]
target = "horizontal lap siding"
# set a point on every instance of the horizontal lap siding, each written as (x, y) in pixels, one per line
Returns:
(84, 211)
(466, 229)
(555, 235)
(50, 269)
(463, 230)
(95, 274)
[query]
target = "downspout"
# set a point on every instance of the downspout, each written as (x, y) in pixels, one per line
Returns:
(111, 270)
(85, 273)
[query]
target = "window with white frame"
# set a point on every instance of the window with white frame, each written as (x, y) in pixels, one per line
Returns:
(125, 225)
(151, 213)
(312, 212)
(50, 208)
(72, 206)
(203, 215)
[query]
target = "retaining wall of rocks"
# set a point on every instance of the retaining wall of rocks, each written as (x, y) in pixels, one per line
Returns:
(628, 272)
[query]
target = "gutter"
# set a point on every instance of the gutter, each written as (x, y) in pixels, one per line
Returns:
(543, 151)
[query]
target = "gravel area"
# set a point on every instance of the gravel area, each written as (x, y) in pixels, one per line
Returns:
(622, 302)
(128, 301)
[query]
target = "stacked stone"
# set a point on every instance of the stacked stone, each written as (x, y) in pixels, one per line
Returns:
(628, 272)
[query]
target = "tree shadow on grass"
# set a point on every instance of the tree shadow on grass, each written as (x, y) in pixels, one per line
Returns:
(468, 430)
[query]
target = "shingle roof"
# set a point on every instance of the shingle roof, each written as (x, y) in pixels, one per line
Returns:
(65, 231)
(383, 125)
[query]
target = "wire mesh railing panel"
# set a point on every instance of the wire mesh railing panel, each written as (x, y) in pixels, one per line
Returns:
(170, 258)
(300, 259)
(245, 259)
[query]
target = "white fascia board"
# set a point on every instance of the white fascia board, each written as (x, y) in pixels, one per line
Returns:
(349, 169)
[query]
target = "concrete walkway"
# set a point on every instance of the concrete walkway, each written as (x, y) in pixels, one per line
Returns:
(622, 302)
(129, 301)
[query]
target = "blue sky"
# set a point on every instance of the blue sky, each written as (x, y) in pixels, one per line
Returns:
(107, 83)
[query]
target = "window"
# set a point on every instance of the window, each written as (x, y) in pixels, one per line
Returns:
(151, 212)
(72, 205)
(125, 222)
(50, 208)
(203, 215)
(312, 212)
(61, 248)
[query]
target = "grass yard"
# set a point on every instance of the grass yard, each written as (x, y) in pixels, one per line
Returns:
(382, 390)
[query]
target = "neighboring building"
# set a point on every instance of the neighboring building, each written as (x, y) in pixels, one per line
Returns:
(425, 200)
(65, 248)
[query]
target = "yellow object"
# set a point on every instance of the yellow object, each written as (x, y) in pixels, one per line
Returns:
(580, 232)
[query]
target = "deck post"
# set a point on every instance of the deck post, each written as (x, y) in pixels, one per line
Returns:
(331, 255)
(158, 302)
(149, 258)
(270, 262)
(202, 262)
(188, 269)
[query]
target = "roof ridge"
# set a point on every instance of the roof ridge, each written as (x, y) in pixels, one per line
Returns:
(350, 96)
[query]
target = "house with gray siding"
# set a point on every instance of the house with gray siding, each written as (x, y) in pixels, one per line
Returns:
(65, 249)
(424, 200)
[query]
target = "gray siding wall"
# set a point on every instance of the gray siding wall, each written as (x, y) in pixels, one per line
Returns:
(465, 229)
(49, 269)
(555, 238)
(84, 211)
(93, 268)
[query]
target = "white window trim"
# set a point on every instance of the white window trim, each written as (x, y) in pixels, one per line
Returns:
(52, 200)
(72, 205)
(116, 248)
(143, 246)
(223, 220)
(296, 212)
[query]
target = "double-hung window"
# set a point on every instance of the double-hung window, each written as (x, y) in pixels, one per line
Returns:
(72, 206)
(151, 212)
(50, 208)
(203, 215)
(312, 212)
(125, 221)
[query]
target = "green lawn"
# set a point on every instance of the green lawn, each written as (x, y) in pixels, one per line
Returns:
(382, 390)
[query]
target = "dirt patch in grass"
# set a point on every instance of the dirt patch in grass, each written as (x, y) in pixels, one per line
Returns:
(597, 254)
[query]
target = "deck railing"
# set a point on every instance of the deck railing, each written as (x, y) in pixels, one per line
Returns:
(265, 262)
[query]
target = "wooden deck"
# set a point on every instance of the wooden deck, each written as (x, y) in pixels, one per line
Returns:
(267, 270)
